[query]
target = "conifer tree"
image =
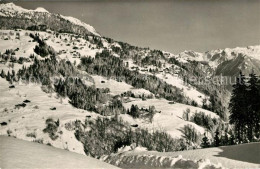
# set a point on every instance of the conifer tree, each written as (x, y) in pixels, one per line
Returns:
(232, 138)
(238, 107)
(205, 141)
(3, 74)
(253, 116)
(13, 73)
(8, 77)
(134, 111)
(216, 138)
(225, 139)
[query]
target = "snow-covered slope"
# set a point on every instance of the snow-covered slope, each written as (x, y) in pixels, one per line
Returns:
(9, 40)
(40, 9)
(191, 55)
(215, 57)
(22, 122)
(170, 117)
(250, 51)
(238, 156)
(14, 11)
(15, 153)
(10, 9)
(218, 58)
(188, 90)
(228, 61)
(78, 22)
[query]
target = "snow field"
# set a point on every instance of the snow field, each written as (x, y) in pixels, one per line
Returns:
(170, 117)
(16, 153)
(31, 119)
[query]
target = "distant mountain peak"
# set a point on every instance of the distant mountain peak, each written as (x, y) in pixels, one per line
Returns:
(40, 9)
(249, 51)
(11, 7)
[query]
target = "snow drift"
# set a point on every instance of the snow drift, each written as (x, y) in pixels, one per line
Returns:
(153, 161)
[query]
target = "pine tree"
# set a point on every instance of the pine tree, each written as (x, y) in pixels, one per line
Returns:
(8, 77)
(232, 139)
(216, 138)
(13, 73)
(205, 141)
(253, 117)
(257, 129)
(238, 107)
(3, 74)
(225, 139)
(134, 111)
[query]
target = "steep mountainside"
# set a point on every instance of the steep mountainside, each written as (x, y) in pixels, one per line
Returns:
(229, 61)
(13, 16)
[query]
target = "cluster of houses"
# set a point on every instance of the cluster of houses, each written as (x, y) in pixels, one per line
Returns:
(173, 70)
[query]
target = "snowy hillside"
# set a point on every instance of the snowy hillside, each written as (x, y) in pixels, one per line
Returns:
(169, 119)
(39, 15)
(170, 112)
(27, 123)
(72, 48)
(190, 55)
(15, 153)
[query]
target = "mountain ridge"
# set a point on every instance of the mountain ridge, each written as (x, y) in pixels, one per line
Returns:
(41, 16)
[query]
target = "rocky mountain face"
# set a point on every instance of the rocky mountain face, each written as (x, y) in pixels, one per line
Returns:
(228, 62)
(12, 16)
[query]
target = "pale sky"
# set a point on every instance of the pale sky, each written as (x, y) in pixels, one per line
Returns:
(169, 25)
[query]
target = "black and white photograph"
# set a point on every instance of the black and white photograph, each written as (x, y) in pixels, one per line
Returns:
(130, 84)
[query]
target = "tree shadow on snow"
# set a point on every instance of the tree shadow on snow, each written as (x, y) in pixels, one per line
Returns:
(246, 152)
